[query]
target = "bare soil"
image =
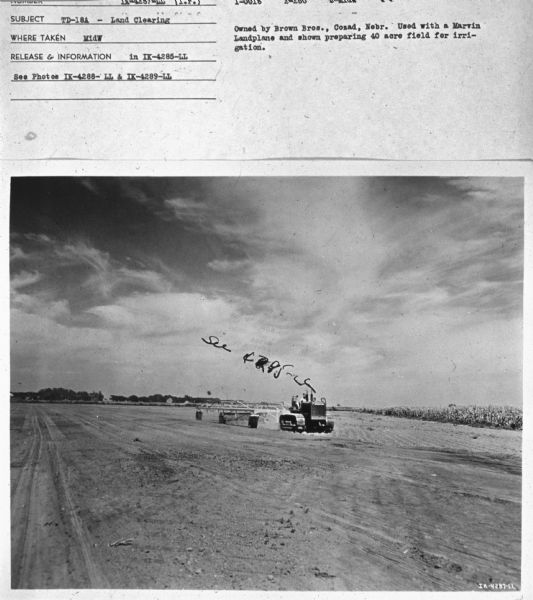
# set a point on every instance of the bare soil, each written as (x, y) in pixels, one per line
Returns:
(380, 504)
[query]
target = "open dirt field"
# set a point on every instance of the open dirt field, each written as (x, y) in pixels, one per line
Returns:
(380, 504)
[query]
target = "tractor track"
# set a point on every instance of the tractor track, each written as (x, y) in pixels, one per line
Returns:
(24, 500)
(81, 536)
(214, 465)
(43, 513)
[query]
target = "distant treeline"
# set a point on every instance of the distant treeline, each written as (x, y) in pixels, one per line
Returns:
(65, 395)
(504, 417)
(163, 399)
(57, 395)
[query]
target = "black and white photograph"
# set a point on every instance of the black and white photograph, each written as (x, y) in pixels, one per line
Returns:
(266, 383)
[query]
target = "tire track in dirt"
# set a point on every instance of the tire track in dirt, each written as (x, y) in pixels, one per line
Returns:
(20, 426)
(28, 459)
(43, 517)
(114, 435)
(409, 498)
(23, 501)
(35, 508)
(81, 536)
(241, 513)
(354, 535)
(389, 519)
(177, 460)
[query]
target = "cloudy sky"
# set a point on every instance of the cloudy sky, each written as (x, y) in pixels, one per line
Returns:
(378, 291)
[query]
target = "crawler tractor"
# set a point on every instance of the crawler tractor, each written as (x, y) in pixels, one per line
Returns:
(307, 415)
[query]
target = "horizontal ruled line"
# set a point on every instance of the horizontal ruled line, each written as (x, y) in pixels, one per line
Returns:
(116, 24)
(121, 43)
(104, 62)
(114, 5)
(64, 4)
(102, 80)
(98, 99)
(167, 3)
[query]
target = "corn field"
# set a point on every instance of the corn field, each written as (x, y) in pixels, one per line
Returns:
(503, 417)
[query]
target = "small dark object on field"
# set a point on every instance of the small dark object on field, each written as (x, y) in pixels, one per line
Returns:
(323, 574)
(123, 542)
(136, 440)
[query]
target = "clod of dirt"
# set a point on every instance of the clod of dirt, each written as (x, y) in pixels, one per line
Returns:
(322, 574)
(122, 542)
(434, 560)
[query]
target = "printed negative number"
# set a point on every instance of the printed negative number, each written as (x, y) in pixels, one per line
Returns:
(496, 586)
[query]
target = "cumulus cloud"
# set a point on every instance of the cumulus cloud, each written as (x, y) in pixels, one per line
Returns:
(227, 266)
(38, 237)
(38, 304)
(24, 278)
(16, 253)
(166, 314)
(81, 252)
(187, 208)
(88, 267)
